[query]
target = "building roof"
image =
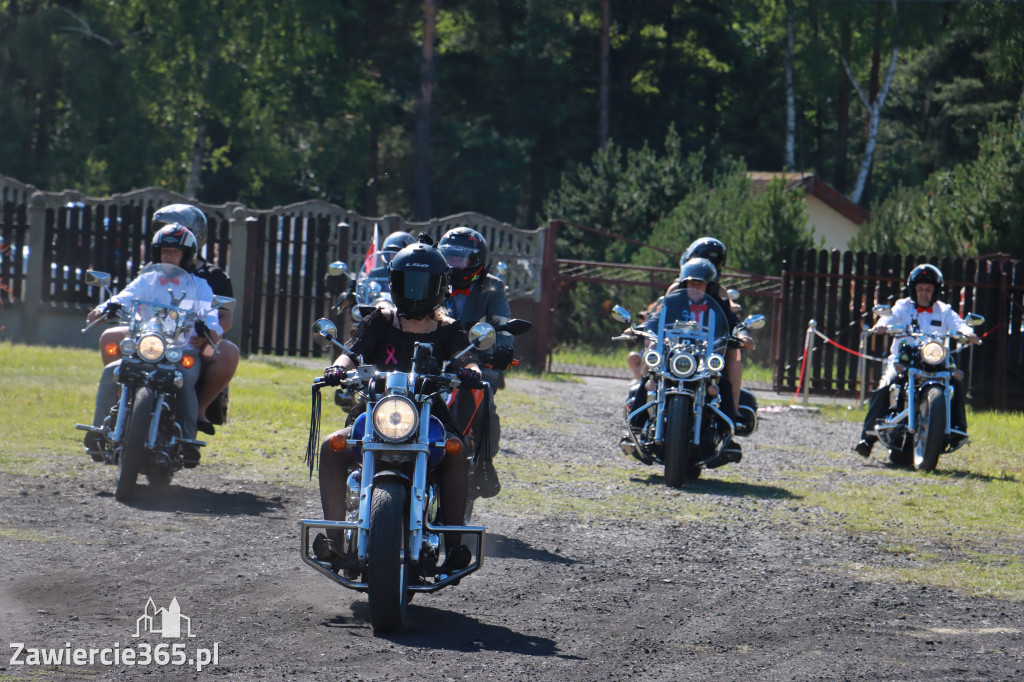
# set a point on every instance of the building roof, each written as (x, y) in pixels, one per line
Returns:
(814, 185)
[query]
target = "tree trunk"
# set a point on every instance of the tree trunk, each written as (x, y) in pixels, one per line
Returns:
(370, 189)
(790, 95)
(602, 126)
(843, 113)
(198, 153)
(421, 145)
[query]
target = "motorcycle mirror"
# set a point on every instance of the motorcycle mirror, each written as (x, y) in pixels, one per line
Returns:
(882, 310)
(223, 303)
(734, 294)
(975, 320)
(754, 322)
(95, 278)
(500, 270)
(482, 336)
(337, 268)
(515, 327)
(324, 332)
(620, 314)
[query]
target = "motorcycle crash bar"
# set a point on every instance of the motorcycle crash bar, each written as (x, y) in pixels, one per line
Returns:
(309, 525)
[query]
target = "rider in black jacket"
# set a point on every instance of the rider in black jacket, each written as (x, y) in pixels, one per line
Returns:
(478, 296)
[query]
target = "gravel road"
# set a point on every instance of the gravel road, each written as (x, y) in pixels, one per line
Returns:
(758, 587)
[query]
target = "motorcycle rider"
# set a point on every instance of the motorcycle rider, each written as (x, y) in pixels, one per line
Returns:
(714, 250)
(922, 309)
(691, 301)
(478, 296)
(419, 280)
(218, 364)
(174, 245)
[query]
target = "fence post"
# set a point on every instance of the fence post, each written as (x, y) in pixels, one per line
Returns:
(36, 267)
(862, 368)
(808, 359)
(548, 297)
(238, 257)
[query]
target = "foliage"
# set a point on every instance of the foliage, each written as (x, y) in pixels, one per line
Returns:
(276, 101)
(971, 209)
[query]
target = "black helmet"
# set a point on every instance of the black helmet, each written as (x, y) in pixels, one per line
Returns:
(465, 249)
(419, 279)
(175, 236)
(395, 242)
(183, 214)
(700, 269)
(926, 274)
(709, 248)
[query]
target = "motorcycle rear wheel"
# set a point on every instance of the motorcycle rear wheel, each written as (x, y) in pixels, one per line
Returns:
(130, 462)
(680, 457)
(387, 575)
(931, 428)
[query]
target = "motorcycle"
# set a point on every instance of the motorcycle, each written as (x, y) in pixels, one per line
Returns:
(917, 428)
(392, 531)
(682, 424)
(142, 434)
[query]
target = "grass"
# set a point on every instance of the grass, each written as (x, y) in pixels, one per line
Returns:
(961, 527)
(615, 358)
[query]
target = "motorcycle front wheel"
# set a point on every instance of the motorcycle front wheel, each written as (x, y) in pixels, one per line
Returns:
(387, 576)
(931, 429)
(130, 462)
(680, 458)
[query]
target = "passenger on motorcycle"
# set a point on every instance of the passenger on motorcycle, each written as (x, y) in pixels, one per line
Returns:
(714, 250)
(478, 296)
(690, 301)
(419, 279)
(922, 309)
(218, 364)
(174, 245)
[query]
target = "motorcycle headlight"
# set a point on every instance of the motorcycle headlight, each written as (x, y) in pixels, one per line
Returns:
(683, 365)
(128, 347)
(652, 358)
(395, 418)
(716, 363)
(151, 347)
(933, 352)
(174, 354)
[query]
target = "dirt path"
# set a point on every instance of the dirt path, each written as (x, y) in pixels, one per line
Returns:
(740, 597)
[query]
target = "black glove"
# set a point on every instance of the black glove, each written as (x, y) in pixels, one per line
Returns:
(333, 375)
(469, 378)
(112, 310)
(501, 359)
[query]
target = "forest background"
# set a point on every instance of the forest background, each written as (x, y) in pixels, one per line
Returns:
(638, 118)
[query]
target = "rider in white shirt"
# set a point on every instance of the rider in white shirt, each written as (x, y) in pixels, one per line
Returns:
(921, 311)
(173, 245)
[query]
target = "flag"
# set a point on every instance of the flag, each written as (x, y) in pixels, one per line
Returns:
(372, 251)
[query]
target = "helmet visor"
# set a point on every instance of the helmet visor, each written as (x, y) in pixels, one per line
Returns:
(416, 286)
(457, 256)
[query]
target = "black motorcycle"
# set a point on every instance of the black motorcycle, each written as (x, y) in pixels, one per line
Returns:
(918, 428)
(142, 434)
(681, 423)
(392, 533)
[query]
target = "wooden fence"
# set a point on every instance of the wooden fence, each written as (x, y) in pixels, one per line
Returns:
(837, 291)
